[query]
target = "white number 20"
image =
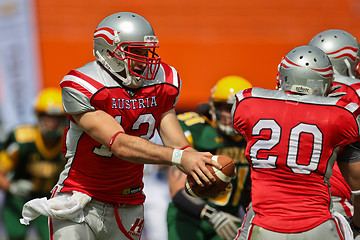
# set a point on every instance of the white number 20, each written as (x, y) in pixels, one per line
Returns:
(293, 149)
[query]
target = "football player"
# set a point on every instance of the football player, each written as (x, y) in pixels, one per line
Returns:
(293, 138)
(32, 161)
(210, 129)
(115, 104)
(344, 52)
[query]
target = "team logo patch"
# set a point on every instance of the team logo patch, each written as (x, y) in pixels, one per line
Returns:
(137, 227)
(301, 89)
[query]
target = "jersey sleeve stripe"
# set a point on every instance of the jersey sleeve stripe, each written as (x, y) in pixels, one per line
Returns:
(81, 82)
(86, 78)
(243, 94)
(171, 75)
(78, 87)
(175, 77)
(239, 96)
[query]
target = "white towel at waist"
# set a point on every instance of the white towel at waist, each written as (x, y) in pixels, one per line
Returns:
(62, 206)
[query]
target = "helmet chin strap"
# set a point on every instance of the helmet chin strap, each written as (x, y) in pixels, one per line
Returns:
(226, 129)
(348, 65)
(336, 72)
(129, 81)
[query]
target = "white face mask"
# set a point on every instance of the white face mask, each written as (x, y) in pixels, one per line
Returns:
(230, 131)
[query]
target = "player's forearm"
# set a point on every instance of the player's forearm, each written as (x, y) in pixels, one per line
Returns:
(138, 150)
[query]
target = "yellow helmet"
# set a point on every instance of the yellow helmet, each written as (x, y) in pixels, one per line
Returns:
(226, 87)
(49, 101)
(222, 97)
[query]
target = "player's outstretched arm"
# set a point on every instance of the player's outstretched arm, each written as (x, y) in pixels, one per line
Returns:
(103, 128)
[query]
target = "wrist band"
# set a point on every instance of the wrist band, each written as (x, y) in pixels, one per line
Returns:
(185, 147)
(176, 156)
(112, 139)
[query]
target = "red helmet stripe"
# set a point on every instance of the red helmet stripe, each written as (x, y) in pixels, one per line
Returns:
(325, 72)
(344, 52)
(286, 62)
(106, 33)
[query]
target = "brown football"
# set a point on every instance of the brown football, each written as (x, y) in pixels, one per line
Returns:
(223, 177)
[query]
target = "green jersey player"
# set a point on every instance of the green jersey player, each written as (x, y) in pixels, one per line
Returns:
(210, 129)
(30, 162)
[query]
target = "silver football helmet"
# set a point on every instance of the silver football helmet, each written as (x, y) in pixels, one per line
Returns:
(306, 70)
(123, 40)
(343, 50)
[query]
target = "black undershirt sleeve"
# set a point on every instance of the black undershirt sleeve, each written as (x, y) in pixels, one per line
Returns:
(190, 205)
(350, 153)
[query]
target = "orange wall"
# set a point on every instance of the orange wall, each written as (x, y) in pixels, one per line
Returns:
(203, 39)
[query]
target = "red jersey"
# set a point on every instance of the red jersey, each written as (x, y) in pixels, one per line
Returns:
(292, 143)
(91, 167)
(338, 185)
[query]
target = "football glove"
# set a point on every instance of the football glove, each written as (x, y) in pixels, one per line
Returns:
(223, 223)
(21, 188)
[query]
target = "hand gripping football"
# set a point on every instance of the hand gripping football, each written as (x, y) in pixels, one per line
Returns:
(223, 177)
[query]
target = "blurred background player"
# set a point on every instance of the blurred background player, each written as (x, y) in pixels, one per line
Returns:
(31, 161)
(343, 51)
(210, 129)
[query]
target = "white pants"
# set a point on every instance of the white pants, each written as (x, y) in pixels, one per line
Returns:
(100, 223)
(325, 231)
